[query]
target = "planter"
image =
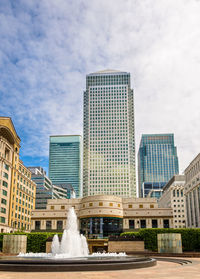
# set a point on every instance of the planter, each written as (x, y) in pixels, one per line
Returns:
(14, 244)
(169, 243)
(125, 246)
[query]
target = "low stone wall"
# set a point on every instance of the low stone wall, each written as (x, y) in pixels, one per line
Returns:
(169, 243)
(125, 246)
(14, 244)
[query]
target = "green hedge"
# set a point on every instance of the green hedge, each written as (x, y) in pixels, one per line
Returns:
(36, 242)
(190, 238)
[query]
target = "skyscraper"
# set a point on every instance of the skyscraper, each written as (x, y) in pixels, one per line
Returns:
(157, 162)
(65, 155)
(108, 135)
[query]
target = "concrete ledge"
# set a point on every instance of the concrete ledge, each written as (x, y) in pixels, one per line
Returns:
(125, 246)
(47, 265)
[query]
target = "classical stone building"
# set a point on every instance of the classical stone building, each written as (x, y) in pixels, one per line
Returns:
(17, 190)
(102, 215)
(173, 197)
(192, 193)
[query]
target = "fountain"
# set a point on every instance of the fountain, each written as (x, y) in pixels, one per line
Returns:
(72, 244)
(72, 254)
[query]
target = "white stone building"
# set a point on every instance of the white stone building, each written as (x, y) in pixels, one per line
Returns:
(173, 197)
(102, 215)
(192, 193)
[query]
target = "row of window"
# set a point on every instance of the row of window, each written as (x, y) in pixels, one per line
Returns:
(177, 193)
(142, 223)
(22, 209)
(24, 171)
(27, 183)
(22, 217)
(24, 189)
(20, 225)
(132, 224)
(59, 225)
(193, 171)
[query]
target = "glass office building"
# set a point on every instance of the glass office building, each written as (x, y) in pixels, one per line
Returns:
(45, 190)
(157, 162)
(65, 162)
(108, 135)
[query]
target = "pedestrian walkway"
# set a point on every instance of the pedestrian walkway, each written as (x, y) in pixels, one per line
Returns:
(163, 270)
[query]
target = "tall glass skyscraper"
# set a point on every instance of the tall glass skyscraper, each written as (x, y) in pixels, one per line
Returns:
(65, 155)
(108, 135)
(157, 162)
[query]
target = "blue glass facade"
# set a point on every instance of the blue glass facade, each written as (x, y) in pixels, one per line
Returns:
(65, 161)
(157, 162)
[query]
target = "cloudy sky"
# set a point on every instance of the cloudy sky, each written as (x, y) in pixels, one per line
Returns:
(47, 47)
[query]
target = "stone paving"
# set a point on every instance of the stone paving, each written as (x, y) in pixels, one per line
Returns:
(163, 270)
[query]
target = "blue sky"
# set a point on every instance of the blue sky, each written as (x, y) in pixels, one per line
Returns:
(47, 47)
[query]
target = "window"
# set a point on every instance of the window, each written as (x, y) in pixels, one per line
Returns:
(62, 207)
(52, 207)
(130, 206)
(110, 204)
(2, 220)
(151, 205)
(37, 225)
(154, 223)
(166, 223)
(100, 204)
(48, 225)
(6, 166)
(5, 184)
(4, 192)
(140, 205)
(181, 193)
(3, 201)
(143, 224)
(5, 175)
(131, 224)
(3, 210)
(59, 225)
(90, 204)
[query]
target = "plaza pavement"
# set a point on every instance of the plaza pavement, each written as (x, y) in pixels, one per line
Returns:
(163, 270)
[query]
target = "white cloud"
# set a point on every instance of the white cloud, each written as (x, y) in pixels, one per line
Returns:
(47, 47)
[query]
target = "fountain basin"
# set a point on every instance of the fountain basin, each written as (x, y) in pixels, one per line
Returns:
(19, 264)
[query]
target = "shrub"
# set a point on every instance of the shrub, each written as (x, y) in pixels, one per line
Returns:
(190, 238)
